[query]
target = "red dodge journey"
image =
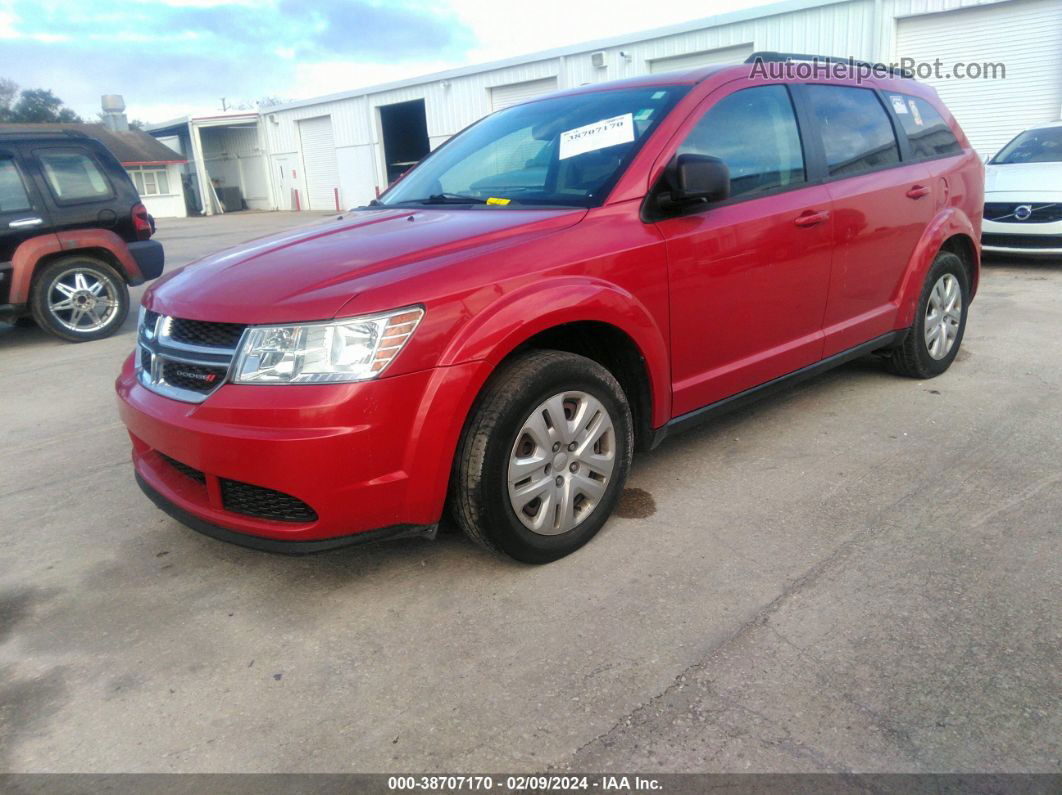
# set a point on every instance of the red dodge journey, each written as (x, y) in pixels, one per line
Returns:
(564, 282)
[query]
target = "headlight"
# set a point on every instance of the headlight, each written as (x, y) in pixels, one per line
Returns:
(354, 349)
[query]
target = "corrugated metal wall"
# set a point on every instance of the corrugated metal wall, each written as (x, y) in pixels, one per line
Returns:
(861, 28)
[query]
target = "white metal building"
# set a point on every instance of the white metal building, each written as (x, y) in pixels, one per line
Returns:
(338, 151)
(227, 163)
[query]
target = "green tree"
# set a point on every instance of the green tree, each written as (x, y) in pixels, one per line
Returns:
(8, 92)
(41, 105)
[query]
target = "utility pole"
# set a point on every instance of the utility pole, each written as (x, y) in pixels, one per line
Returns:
(224, 107)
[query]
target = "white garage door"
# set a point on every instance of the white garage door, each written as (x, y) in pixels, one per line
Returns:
(319, 163)
(692, 60)
(1025, 35)
(515, 93)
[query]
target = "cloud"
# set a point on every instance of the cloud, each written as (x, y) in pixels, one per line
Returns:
(171, 57)
(168, 52)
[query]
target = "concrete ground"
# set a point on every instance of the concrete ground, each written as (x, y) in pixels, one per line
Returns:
(861, 575)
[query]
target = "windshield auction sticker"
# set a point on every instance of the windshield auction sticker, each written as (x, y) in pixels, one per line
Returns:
(600, 134)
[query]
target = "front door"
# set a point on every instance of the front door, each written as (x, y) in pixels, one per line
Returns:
(748, 275)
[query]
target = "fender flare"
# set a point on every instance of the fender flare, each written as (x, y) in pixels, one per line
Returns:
(496, 331)
(949, 222)
(31, 251)
(491, 334)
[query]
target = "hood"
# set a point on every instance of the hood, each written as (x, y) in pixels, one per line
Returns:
(1024, 178)
(311, 272)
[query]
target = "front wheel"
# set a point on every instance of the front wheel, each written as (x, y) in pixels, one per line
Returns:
(544, 457)
(79, 298)
(933, 341)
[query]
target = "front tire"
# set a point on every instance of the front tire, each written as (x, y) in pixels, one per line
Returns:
(933, 341)
(544, 457)
(79, 298)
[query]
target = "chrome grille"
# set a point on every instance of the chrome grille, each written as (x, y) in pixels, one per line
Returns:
(1023, 212)
(185, 359)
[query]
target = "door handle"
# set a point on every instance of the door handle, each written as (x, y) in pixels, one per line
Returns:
(22, 223)
(917, 192)
(811, 217)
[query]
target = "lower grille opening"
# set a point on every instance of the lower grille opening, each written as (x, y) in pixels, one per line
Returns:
(193, 377)
(184, 469)
(1022, 241)
(264, 503)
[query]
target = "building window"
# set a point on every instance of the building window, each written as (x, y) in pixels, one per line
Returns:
(150, 181)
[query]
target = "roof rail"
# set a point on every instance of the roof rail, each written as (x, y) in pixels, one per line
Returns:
(770, 56)
(36, 133)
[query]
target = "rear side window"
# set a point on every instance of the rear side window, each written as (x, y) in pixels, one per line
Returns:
(929, 134)
(73, 176)
(13, 195)
(856, 132)
(753, 131)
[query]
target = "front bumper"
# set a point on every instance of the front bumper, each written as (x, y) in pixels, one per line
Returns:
(364, 457)
(285, 547)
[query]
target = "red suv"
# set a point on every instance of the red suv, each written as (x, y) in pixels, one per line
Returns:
(560, 284)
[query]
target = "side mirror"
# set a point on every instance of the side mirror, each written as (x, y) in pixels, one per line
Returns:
(699, 178)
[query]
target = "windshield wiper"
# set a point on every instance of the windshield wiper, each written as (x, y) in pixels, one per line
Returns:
(450, 198)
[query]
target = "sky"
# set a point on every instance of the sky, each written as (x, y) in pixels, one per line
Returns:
(169, 58)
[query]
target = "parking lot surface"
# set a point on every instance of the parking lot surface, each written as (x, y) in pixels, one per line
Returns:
(861, 574)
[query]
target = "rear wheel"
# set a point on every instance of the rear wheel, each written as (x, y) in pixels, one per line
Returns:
(940, 321)
(544, 457)
(79, 298)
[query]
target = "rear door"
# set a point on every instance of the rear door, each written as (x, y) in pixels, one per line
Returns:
(881, 207)
(78, 187)
(748, 275)
(22, 213)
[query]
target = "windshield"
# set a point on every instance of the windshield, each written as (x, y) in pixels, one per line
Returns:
(562, 151)
(1033, 146)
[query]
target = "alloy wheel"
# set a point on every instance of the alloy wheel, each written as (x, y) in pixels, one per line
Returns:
(82, 301)
(943, 316)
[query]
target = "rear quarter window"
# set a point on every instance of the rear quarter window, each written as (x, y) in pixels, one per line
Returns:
(73, 176)
(929, 135)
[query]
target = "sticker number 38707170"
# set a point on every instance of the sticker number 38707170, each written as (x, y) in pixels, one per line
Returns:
(607, 132)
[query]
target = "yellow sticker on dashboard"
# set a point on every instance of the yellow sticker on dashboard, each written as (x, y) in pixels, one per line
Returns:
(498, 201)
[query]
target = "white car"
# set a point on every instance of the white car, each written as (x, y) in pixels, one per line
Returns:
(1023, 195)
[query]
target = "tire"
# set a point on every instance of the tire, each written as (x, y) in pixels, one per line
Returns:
(916, 356)
(497, 449)
(79, 298)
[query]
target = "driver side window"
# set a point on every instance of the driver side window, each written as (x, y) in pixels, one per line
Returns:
(754, 131)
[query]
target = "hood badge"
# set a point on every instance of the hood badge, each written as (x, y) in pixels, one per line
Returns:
(1023, 212)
